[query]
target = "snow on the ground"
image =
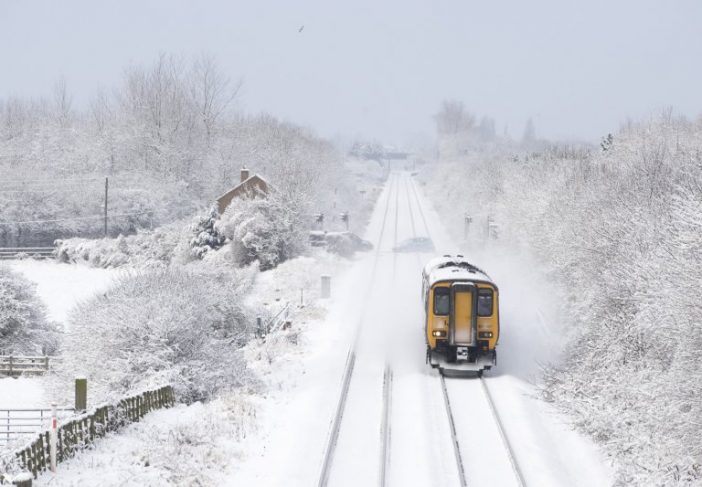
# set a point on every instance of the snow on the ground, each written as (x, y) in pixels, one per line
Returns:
(60, 286)
(184, 445)
(279, 434)
(21, 392)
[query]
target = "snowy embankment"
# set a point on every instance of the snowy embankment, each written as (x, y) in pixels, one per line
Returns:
(207, 443)
(615, 232)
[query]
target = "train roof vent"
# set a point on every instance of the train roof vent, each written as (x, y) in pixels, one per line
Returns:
(459, 255)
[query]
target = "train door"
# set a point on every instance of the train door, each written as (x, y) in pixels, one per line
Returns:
(463, 319)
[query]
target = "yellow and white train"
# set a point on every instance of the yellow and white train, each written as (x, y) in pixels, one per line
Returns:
(462, 324)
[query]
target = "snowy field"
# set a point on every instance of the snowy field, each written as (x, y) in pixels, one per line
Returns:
(278, 437)
(61, 286)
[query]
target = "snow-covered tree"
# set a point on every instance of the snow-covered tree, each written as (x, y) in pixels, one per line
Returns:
(264, 228)
(206, 234)
(24, 327)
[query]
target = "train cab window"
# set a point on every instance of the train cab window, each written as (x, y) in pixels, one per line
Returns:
(441, 301)
(485, 302)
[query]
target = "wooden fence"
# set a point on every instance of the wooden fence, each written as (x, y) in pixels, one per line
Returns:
(14, 366)
(34, 252)
(80, 431)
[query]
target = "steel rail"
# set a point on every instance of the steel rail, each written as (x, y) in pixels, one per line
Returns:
(385, 427)
(351, 360)
(409, 205)
(421, 210)
(454, 436)
(505, 441)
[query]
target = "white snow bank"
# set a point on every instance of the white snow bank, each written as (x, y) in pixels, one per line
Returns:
(194, 445)
(61, 286)
(23, 392)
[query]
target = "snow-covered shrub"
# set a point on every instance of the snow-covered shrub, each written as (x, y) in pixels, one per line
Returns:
(167, 325)
(24, 327)
(207, 237)
(268, 229)
(146, 248)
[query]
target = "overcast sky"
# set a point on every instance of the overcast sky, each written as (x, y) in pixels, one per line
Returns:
(379, 69)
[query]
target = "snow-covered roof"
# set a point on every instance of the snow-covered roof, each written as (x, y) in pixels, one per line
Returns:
(453, 268)
(248, 181)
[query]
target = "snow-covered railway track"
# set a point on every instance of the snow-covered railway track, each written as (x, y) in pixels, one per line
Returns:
(385, 430)
(488, 455)
(503, 436)
(454, 436)
(333, 437)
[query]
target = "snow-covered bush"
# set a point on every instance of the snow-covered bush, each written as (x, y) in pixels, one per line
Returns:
(206, 236)
(268, 229)
(167, 325)
(147, 248)
(24, 327)
(620, 231)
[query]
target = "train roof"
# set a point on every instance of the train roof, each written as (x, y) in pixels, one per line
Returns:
(453, 268)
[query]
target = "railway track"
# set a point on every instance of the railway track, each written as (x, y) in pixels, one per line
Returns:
(333, 438)
(398, 182)
(504, 439)
(385, 429)
(503, 436)
(454, 436)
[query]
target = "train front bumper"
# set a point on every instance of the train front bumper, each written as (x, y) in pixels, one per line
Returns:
(481, 361)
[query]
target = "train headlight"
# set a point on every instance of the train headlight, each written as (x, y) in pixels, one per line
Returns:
(438, 333)
(485, 334)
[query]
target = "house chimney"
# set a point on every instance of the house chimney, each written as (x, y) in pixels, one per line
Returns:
(244, 174)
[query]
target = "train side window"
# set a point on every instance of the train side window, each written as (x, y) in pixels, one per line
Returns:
(441, 301)
(485, 296)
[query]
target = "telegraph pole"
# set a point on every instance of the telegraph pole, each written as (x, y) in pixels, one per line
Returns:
(106, 186)
(466, 225)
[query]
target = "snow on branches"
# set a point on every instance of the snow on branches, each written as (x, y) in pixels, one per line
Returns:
(24, 327)
(620, 231)
(172, 325)
(267, 229)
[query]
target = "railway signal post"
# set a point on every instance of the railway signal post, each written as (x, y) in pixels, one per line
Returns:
(467, 219)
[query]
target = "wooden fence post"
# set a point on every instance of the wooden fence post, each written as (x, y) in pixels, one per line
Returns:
(81, 403)
(22, 480)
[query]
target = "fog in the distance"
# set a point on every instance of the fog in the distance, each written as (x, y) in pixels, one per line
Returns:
(380, 69)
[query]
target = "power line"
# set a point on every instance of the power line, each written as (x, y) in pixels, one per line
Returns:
(60, 189)
(56, 180)
(77, 218)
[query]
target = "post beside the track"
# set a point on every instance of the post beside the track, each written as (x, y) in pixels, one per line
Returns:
(52, 438)
(326, 287)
